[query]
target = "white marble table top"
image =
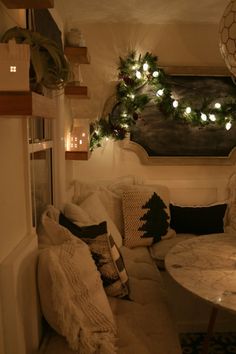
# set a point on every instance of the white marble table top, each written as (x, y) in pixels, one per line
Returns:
(206, 266)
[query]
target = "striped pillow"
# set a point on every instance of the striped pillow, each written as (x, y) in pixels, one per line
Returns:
(105, 253)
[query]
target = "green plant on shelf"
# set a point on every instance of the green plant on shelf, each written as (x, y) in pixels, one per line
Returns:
(49, 68)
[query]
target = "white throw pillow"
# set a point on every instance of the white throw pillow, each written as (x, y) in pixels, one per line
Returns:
(113, 205)
(95, 209)
(78, 215)
(110, 194)
(73, 300)
(83, 189)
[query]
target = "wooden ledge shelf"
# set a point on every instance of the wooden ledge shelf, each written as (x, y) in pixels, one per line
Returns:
(77, 155)
(28, 4)
(74, 91)
(77, 54)
(26, 104)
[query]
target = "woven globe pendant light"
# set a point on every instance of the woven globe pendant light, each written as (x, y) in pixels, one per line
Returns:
(227, 36)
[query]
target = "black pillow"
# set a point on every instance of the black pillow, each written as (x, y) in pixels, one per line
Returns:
(198, 220)
(91, 231)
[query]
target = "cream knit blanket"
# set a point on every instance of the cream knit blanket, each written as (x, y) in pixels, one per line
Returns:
(88, 328)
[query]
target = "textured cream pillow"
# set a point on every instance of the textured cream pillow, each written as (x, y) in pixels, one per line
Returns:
(95, 209)
(49, 231)
(146, 218)
(73, 300)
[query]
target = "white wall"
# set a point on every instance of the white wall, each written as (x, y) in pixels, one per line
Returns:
(14, 219)
(12, 160)
(15, 210)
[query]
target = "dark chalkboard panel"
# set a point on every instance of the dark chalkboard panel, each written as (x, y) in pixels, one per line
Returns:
(160, 135)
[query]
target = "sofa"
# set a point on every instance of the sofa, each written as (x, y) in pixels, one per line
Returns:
(109, 234)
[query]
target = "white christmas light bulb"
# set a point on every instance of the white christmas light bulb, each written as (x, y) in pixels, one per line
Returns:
(217, 105)
(131, 96)
(160, 92)
(138, 74)
(212, 117)
(155, 74)
(228, 125)
(203, 117)
(175, 103)
(145, 66)
(124, 114)
(188, 110)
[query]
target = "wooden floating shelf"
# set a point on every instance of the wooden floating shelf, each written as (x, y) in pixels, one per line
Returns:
(77, 54)
(26, 104)
(77, 155)
(74, 91)
(28, 4)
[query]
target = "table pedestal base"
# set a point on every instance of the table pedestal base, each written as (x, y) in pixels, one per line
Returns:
(210, 328)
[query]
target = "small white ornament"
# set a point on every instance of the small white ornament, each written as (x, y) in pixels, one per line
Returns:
(160, 92)
(228, 125)
(145, 66)
(138, 74)
(203, 117)
(217, 105)
(188, 110)
(212, 117)
(155, 74)
(175, 103)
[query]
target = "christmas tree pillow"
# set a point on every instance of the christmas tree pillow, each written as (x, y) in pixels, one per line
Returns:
(145, 218)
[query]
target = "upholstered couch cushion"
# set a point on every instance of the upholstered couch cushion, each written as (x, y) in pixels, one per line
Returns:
(145, 324)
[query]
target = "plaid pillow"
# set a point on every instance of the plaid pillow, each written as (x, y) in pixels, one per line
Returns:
(105, 253)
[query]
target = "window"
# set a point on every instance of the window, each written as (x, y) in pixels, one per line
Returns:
(41, 157)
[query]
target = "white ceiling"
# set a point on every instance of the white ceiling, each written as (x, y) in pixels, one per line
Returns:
(141, 11)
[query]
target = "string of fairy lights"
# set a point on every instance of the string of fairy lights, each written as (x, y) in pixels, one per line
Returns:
(141, 81)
